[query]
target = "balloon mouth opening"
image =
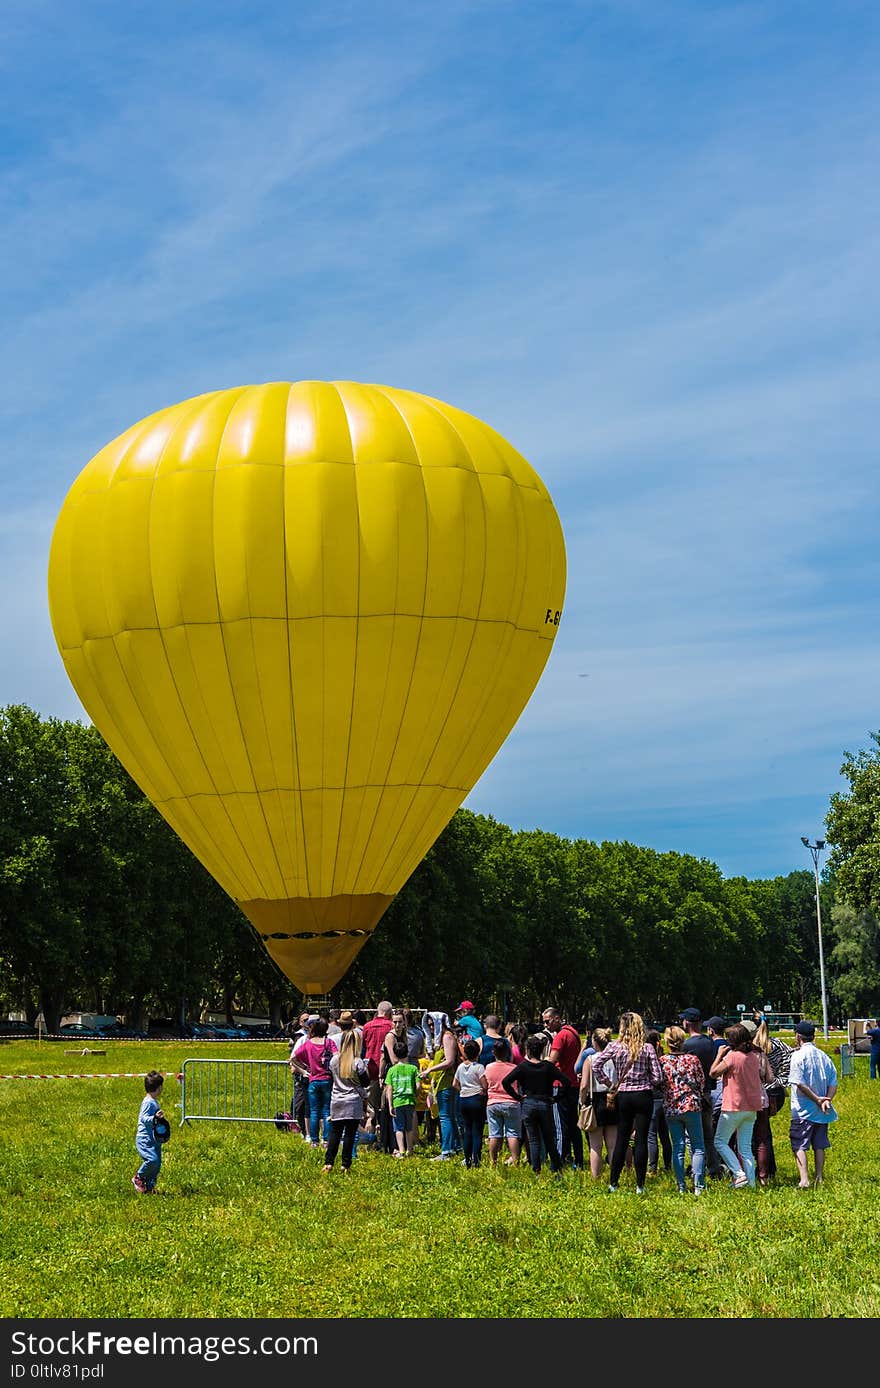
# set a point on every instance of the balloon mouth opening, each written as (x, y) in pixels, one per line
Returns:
(315, 934)
(315, 940)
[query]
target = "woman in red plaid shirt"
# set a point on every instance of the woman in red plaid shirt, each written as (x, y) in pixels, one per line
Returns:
(630, 1068)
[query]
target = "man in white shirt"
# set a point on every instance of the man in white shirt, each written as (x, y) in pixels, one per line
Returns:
(813, 1081)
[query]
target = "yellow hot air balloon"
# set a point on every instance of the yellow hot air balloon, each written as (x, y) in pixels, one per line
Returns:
(305, 617)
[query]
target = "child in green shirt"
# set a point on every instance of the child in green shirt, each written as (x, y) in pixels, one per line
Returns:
(401, 1088)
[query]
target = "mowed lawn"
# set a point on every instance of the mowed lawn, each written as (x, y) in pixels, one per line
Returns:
(246, 1225)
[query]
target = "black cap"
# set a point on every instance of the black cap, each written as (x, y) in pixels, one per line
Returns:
(805, 1029)
(161, 1128)
(715, 1023)
(690, 1014)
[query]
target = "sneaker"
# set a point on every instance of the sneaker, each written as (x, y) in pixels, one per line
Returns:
(139, 1184)
(640, 1190)
(699, 1190)
(397, 1154)
(444, 1156)
(612, 1188)
(739, 1182)
(681, 1190)
(325, 1170)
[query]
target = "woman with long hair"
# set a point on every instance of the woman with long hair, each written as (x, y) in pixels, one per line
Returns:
(595, 1091)
(312, 1057)
(349, 1077)
(683, 1083)
(532, 1084)
(775, 1089)
(516, 1033)
(443, 1053)
(631, 1091)
(742, 1070)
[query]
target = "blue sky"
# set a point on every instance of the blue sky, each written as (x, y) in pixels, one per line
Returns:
(640, 240)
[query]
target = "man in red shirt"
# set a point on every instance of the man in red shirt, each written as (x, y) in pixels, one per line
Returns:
(564, 1051)
(373, 1045)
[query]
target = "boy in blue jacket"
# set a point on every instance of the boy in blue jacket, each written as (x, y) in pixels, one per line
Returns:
(145, 1140)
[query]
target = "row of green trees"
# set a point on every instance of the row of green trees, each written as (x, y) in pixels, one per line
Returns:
(102, 907)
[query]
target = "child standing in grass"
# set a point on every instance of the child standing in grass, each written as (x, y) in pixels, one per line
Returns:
(145, 1141)
(401, 1087)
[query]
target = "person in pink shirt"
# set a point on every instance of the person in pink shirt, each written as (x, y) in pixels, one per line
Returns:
(312, 1057)
(504, 1114)
(743, 1070)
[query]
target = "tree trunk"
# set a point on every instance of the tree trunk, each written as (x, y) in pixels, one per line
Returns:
(51, 1004)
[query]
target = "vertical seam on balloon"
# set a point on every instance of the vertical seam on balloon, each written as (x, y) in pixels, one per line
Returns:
(136, 432)
(474, 472)
(380, 867)
(512, 632)
(293, 731)
(114, 635)
(414, 836)
(500, 666)
(221, 627)
(402, 817)
(273, 790)
(357, 622)
(186, 716)
(375, 815)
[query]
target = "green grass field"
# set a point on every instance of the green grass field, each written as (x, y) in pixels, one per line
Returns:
(246, 1226)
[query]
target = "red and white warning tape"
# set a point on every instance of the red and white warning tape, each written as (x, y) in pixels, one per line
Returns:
(127, 1075)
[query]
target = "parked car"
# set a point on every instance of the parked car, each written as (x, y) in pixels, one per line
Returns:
(80, 1030)
(118, 1032)
(198, 1031)
(230, 1032)
(16, 1029)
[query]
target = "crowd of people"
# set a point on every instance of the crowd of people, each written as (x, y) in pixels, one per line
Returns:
(701, 1095)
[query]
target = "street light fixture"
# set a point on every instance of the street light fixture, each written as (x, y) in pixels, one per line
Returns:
(815, 849)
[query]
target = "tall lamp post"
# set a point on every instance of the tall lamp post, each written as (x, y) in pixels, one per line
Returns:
(815, 849)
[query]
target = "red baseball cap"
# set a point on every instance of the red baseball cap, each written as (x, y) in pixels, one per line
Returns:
(465, 1006)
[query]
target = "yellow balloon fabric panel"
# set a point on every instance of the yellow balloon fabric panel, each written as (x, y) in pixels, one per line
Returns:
(305, 617)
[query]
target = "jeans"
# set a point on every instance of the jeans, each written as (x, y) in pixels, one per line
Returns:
(875, 1063)
(539, 1123)
(319, 1109)
(448, 1136)
(301, 1102)
(658, 1138)
(342, 1130)
(740, 1122)
(634, 1109)
(149, 1167)
(473, 1117)
(572, 1145)
(690, 1124)
(714, 1166)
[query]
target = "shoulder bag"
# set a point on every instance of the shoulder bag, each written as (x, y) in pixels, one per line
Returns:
(587, 1120)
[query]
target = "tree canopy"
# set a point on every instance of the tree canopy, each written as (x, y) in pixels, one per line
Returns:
(102, 907)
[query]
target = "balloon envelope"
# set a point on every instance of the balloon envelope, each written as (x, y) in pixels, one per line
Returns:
(305, 617)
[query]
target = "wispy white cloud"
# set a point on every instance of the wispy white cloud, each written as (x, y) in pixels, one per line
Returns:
(650, 265)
